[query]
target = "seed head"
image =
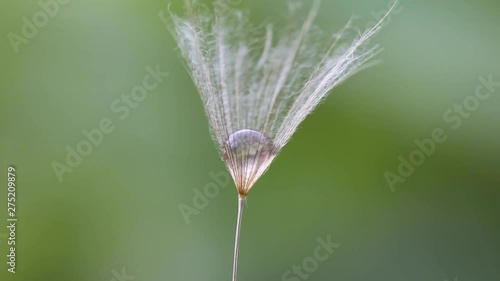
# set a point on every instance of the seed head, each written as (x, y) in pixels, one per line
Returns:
(258, 85)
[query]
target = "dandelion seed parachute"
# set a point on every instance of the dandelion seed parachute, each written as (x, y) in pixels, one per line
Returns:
(257, 90)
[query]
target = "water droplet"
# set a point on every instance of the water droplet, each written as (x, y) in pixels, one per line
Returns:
(248, 153)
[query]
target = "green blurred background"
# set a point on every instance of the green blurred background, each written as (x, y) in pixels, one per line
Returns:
(118, 210)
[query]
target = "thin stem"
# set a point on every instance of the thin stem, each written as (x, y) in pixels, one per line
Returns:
(241, 203)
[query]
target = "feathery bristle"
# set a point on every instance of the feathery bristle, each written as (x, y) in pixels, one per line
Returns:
(257, 90)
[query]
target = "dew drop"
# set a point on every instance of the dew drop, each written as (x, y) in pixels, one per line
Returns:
(248, 153)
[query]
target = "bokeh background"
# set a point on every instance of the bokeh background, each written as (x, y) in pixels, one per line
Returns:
(118, 210)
